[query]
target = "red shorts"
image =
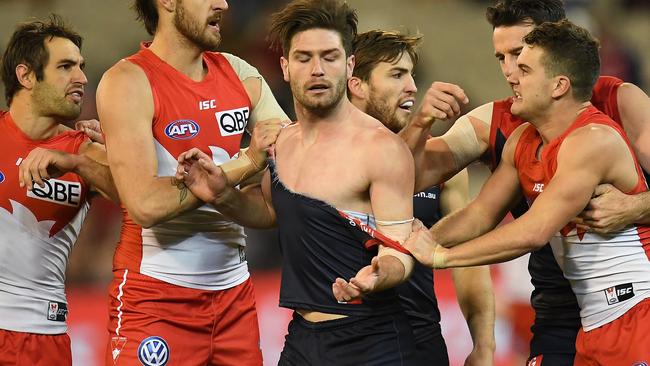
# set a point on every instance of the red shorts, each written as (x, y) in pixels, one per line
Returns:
(621, 342)
(29, 349)
(156, 323)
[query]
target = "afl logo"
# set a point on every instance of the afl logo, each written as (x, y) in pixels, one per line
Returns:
(182, 129)
(153, 351)
(2, 177)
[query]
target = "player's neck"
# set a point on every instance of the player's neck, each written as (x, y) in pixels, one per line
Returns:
(558, 118)
(35, 126)
(314, 123)
(179, 53)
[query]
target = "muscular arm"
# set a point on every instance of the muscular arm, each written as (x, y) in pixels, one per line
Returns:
(576, 177)
(473, 284)
(610, 209)
(391, 197)
(251, 206)
(438, 159)
(390, 171)
(125, 107)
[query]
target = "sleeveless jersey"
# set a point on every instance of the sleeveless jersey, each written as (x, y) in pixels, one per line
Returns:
(609, 273)
(39, 229)
(416, 294)
(552, 298)
(318, 245)
(199, 249)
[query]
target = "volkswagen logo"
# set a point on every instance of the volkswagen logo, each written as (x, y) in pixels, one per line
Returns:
(153, 351)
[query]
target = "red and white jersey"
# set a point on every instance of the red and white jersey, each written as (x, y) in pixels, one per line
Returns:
(609, 274)
(199, 249)
(38, 228)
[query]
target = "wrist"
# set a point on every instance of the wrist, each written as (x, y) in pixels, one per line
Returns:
(439, 258)
(78, 162)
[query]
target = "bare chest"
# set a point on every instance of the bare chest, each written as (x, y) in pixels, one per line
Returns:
(334, 174)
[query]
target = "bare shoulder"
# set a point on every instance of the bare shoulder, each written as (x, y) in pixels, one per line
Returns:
(594, 137)
(121, 74)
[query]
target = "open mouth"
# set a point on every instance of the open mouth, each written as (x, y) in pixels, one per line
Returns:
(318, 87)
(213, 22)
(407, 105)
(76, 95)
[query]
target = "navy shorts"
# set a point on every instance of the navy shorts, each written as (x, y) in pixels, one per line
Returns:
(430, 347)
(372, 341)
(553, 345)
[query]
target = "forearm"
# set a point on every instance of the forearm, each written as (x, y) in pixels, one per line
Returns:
(461, 226)
(640, 208)
(246, 207)
(476, 300)
(155, 200)
(98, 176)
(499, 245)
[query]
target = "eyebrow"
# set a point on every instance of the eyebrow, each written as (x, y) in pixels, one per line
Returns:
(309, 53)
(512, 50)
(400, 69)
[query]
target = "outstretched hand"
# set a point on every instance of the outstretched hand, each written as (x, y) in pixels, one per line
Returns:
(364, 282)
(200, 175)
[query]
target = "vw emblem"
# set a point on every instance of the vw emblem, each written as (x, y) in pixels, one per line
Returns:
(153, 351)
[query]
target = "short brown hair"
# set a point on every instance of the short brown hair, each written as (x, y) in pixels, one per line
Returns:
(147, 14)
(512, 12)
(302, 15)
(376, 46)
(27, 46)
(569, 50)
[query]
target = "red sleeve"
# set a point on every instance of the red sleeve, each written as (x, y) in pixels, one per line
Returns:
(604, 97)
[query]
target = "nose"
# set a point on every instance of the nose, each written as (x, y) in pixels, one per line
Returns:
(220, 5)
(410, 86)
(317, 67)
(80, 77)
(509, 65)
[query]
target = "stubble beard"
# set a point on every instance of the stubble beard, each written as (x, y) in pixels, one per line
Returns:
(190, 29)
(50, 103)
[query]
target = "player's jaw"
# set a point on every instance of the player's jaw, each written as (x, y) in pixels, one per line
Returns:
(204, 33)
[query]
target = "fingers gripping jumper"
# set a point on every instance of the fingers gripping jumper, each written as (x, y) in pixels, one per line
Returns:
(242, 168)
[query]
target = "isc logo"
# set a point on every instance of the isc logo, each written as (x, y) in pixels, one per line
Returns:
(232, 122)
(57, 191)
(619, 293)
(182, 129)
(207, 104)
(538, 187)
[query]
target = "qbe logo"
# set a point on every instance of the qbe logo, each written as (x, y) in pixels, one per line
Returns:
(232, 122)
(58, 191)
(182, 129)
(153, 351)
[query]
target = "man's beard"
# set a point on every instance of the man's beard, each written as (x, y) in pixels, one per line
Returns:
(50, 103)
(376, 108)
(191, 29)
(320, 106)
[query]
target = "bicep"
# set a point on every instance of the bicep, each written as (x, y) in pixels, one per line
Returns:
(634, 109)
(126, 119)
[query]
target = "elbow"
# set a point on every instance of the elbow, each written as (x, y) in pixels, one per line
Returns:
(535, 240)
(142, 217)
